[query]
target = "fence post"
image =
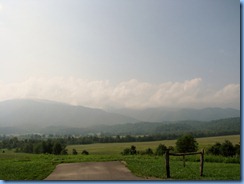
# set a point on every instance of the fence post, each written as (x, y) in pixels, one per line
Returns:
(184, 161)
(201, 162)
(167, 163)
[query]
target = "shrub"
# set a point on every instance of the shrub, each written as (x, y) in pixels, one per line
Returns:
(225, 149)
(74, 152)
(133, 150)
(126, 151)
(149, 151)
(129, 151)
(215, 149)
(64, 152)
(84, 152)
(237, 149)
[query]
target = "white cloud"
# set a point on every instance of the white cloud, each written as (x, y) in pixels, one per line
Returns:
(132, 93)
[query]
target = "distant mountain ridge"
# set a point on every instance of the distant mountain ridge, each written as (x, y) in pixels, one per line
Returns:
(42, 113)
(177, 114)
(28, 116)
(228, 126)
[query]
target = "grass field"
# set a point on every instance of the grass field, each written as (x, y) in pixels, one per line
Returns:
(117, 148)
(20, 166)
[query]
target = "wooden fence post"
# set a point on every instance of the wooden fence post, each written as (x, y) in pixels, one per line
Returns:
(184, 161)
(167, 163)
(201, 162)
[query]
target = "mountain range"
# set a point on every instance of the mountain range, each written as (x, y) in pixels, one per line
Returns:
(178, 114)
(28, 116)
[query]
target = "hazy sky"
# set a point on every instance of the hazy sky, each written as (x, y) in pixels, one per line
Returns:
(123, 53)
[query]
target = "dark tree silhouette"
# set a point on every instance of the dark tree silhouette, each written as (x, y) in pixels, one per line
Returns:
(186, 143)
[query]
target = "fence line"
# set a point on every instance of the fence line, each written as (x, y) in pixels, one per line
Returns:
(167, 154)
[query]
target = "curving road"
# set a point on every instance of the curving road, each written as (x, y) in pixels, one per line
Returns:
(114, 170)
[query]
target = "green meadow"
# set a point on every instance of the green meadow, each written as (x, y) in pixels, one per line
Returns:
(22, 166)
(117, 148)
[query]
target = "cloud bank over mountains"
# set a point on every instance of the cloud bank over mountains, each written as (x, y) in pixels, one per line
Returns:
(126, 94)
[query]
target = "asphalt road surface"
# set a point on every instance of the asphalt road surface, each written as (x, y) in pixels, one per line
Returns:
(114, 170)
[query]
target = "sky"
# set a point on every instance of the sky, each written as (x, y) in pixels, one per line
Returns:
(123, 53)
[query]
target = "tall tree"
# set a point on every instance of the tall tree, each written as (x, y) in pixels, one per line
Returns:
(186, 143)
(57, 148)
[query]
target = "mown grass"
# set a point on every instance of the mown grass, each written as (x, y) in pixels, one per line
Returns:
(21, 166)
(152, 166)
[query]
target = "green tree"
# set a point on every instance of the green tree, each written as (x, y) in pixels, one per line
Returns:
(237, 149)
(161, 149)
(74, 152)
(57, 148)
(215, 149)
(186, 143)
(38, 148)
(227, 149)
(49, 146)
(28, 148)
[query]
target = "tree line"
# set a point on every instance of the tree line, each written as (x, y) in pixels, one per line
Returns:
(187, 143)
(50, 146)
(14, 142)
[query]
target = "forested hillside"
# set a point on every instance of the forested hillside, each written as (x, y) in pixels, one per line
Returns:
(199, 128)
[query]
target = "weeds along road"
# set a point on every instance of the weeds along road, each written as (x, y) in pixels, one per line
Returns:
(114, 170)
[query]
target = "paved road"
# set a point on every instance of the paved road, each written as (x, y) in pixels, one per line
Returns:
(114, 170)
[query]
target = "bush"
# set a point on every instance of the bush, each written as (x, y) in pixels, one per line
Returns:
(64, 152)
(129, 151)
(237, 149)
(84, 152)
(74, 152)
(133, 150)
(215, 149)
(225, 149)
(126, 151)
(149, 151)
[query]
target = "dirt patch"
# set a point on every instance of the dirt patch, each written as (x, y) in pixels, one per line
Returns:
(114, 170)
